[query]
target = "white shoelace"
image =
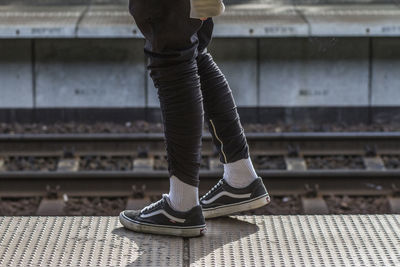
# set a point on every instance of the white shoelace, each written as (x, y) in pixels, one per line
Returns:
(153, 205)
(220, 182)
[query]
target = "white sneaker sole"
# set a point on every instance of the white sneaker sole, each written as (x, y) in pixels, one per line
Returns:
(191, 231)
(237, 207)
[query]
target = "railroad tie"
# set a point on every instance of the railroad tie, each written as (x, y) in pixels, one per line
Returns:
(2, 165)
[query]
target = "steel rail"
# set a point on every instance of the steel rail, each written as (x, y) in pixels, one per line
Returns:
(160, 136)
(305, 143)
(120, 183)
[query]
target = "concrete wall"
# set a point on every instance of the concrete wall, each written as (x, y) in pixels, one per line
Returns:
(314, 72)
(238, 60)
(385, 77)
(16, 78)
(90, 73)
(295, 72)
(226, 2)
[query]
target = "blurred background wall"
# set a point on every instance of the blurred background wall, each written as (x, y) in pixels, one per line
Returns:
(285, 61)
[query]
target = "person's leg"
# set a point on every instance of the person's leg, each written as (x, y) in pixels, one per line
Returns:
(241, 180)
(171, 47)
(222, 116)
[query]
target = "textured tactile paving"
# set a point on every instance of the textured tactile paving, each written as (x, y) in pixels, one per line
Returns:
(320, 240)
(82, 241)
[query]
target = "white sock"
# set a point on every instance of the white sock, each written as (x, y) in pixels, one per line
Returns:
(182, 196)
(240, 173)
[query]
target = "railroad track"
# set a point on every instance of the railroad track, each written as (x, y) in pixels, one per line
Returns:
(295, 151)
(308, 143)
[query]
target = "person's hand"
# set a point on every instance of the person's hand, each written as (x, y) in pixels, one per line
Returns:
(203, 19)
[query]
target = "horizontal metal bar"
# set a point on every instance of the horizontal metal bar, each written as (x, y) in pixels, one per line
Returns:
(257, 19)
(110, 183)
(160, 136)
(260, 143)
(155, 174)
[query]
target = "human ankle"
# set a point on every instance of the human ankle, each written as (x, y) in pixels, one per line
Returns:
(240, 173)
(182, 196)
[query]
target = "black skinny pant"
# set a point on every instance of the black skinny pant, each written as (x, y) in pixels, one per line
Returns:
(190, 86)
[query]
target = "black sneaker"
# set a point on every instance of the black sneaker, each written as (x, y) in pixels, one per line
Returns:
(160, 218)
(224, 199)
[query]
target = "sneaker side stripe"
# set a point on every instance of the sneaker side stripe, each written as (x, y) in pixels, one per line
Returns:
(163, 212)
(162, 225)
(236, 204)
(225, 193)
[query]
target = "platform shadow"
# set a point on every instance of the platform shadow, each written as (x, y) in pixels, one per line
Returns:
(147, 249)
(221, 232)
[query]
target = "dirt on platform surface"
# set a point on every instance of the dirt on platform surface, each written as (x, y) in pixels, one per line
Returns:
(146, 127)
